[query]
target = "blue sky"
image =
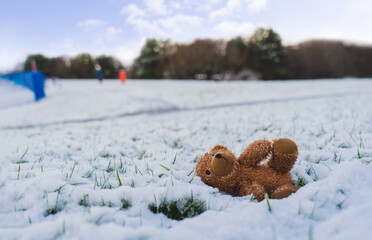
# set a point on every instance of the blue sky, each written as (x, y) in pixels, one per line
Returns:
(120, 27)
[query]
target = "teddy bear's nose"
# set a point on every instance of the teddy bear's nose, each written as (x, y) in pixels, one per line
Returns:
(218, 156)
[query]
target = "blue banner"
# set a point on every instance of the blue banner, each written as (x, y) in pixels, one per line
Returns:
(33, 80)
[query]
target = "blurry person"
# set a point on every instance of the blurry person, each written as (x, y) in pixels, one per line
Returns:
(209, 72)
(99, 72)
(122, 75)
(33, 65)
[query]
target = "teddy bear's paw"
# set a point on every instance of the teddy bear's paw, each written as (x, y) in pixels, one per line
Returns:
(256, 189)
(285, 146)
(283, 191)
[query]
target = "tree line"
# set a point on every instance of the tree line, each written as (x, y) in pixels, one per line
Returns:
(261, 56)
(80, 66)
(262, 53)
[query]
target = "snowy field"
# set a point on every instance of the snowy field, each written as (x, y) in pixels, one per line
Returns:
(92, 160)
(14, 95)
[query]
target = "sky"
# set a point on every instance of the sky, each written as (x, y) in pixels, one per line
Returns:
(120, 27)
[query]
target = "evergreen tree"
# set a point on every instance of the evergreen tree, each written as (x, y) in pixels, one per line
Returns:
(82, 66)
(110, 66)
(42, 63)
(60, 67)
(236, 55)
(268, 56)
(148, 64)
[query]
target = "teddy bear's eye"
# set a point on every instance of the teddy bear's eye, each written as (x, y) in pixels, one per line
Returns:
(207, 172)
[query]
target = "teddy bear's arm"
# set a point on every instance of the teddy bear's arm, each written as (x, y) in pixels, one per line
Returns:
(255, 153)
(253, 188)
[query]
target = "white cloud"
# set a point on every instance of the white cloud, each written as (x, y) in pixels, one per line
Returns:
(175, 5)
(156, 7)
(204, 8)
(112, 33)
(149, 25)
(90, 24)
(137, 18)
(256, 5)
(200, 4)
(231, 4)
(237, 7)
(231, 28)
(132, 11)
(146, 27)
(179, 22)
(161, 18)
(250, 5)
(219, 14)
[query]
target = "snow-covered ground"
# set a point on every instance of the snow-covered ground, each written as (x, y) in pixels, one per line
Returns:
(72, 179)
(13, 95)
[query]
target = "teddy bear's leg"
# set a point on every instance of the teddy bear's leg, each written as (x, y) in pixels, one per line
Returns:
(283, 191)
(284, 155)
(255, 188)
(255, 153)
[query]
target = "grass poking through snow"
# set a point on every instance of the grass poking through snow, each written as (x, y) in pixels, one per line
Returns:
(179, 209)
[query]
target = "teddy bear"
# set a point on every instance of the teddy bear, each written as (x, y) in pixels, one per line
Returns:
(246, 175)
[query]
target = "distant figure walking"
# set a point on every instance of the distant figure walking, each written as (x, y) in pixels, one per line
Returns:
(209, 72)
(99, 72)
(123, 76)
(33, 65)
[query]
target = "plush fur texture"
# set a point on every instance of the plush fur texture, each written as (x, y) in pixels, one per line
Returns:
(245, 175)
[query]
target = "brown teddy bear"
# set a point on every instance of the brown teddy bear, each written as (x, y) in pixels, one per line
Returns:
(245, 175)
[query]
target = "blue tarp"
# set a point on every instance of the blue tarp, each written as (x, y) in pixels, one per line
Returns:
(33, 80)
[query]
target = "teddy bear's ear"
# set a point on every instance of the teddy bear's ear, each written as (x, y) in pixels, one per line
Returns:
(217, 148)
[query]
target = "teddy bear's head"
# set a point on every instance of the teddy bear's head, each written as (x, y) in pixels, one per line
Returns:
(218, 168)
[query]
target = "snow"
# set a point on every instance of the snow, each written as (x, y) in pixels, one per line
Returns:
(13, 95)
(47, 160)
